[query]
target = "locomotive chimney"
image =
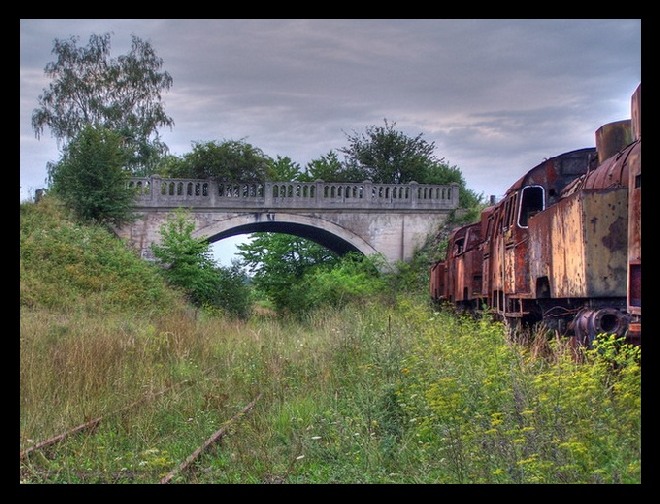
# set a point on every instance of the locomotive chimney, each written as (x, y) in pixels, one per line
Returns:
(611, 138)
(636, 113)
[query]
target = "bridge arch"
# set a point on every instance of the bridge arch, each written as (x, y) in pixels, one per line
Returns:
(324, 232)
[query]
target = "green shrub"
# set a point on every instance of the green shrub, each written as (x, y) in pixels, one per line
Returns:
(351, 279)
(91, 179)
(233, 292)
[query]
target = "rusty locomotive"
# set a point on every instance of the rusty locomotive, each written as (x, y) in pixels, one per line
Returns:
(562, 247)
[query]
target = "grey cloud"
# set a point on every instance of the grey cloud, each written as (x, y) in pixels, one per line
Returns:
(494, 95)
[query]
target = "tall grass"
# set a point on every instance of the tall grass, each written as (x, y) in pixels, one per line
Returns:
(361, 395)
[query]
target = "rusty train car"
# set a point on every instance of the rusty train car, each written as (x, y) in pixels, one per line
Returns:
(562, 247)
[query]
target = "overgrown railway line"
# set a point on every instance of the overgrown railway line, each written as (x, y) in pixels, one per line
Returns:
(35, 457)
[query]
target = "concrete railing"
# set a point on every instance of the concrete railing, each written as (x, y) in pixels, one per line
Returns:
(155, 191)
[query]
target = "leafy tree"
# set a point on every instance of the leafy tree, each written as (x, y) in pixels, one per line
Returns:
(442, 173)
(315, 280)
(186, 261)
(122, 94)
(170, 166)
(388, 156)
(330, 169)
(283, 169)
(385, 155)
(234, 293)
(278, 262)
(227, 161)
(353, 278)
(90, 179)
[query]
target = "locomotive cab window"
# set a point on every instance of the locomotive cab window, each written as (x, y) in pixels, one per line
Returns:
(531, 203)
(458, 246)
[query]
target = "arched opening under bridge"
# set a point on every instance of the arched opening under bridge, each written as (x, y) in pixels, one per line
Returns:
(327, 234)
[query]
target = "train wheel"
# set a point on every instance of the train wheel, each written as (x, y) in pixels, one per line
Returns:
(589, 323)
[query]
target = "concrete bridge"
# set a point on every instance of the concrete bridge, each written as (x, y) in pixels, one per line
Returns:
(389, 219)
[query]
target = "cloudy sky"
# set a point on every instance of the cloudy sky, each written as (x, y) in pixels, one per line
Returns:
(495, 96)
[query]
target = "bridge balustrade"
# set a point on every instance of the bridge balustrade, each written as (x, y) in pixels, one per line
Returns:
(155, 191)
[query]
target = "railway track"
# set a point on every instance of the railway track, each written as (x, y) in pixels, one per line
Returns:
(32, 458)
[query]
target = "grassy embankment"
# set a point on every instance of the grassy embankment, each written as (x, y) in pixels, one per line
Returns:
(375, 393)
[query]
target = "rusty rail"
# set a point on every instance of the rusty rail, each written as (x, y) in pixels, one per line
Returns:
(219, 434)
(184, 466)
(92, 424)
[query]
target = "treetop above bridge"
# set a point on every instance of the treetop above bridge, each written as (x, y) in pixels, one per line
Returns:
(160, 192)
